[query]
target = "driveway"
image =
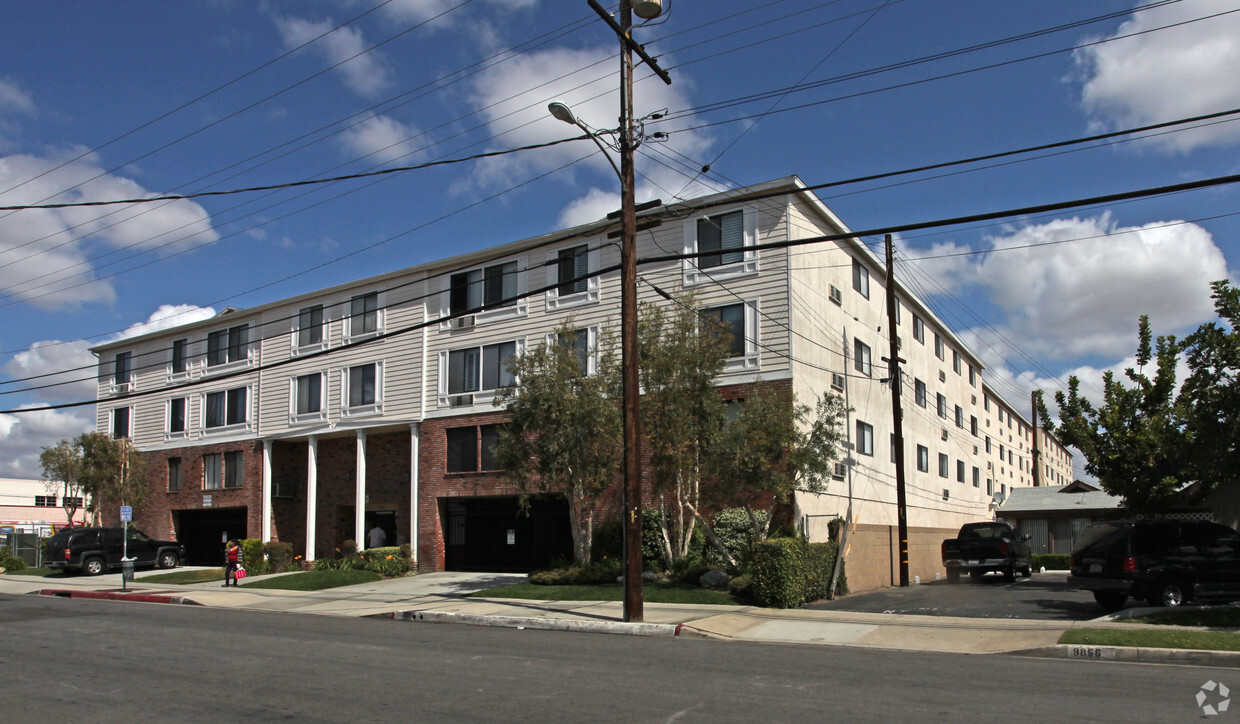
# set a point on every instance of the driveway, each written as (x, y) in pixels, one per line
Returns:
(1045, 596)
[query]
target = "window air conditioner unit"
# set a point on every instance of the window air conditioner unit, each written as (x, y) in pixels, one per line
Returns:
(836, 295)
(840, 470)
(464, 322)
(124, 388)
(946, 493)
(942, 376)
(837, 381)
(460, 400)
(944, 433)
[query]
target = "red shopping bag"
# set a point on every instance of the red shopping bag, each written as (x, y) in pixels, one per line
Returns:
(240, 573)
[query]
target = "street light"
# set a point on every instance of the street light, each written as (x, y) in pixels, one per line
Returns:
(562, 112)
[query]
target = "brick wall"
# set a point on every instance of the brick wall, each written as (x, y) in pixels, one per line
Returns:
(155, 517)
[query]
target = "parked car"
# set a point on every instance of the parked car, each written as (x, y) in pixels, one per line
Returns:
(95, 550)
(980, 548)
(1164, 562)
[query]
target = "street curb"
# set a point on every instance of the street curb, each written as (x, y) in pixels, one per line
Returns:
(548, 624)
(114, 596)
(1135, 654)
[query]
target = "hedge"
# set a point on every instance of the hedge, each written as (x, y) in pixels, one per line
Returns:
(788, 572)
(1052, 561)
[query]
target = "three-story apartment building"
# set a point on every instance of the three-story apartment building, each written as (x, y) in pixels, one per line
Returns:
(312, 419)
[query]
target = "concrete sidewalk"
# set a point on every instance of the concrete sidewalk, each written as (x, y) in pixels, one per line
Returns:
(440, 597)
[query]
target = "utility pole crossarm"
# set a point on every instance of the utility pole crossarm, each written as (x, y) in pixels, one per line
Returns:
(633, 45)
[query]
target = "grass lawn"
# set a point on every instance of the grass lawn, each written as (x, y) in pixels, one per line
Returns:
(198, 576)
(31, 572)
(1220, 617)
(653, 592)
(1153, 638)
(315, 580)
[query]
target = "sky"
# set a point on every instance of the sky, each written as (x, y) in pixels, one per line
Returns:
(109, 101)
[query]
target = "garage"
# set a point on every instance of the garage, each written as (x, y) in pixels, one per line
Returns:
(496, 534)
(204, 533)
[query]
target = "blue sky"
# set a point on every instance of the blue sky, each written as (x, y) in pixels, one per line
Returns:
(148, 98)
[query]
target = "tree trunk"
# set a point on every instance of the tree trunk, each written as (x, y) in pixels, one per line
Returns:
(714, 541)
(665, 542)
(580, 555)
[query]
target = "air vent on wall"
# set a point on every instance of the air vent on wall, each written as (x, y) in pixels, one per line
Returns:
(836, 295)
(464, 322)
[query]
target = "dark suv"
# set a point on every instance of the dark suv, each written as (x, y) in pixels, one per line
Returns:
(95, 550)
(1165, 562)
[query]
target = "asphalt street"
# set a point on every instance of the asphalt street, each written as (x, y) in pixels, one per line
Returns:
(100, 661)
(1043, 597)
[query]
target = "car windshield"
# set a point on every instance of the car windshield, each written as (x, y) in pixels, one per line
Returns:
(984, 531)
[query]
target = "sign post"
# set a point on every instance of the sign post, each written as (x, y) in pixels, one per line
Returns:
(126, 564)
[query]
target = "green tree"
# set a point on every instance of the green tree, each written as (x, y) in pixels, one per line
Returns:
(682, 354)
(564, 432)
(1210, 397)
(111, 470)
(1134, 442)
(62, 465)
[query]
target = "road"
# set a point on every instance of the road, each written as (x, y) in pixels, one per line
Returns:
(1045, 596)
(100, 661)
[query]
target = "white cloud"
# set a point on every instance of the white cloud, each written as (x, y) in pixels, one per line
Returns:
(418, 11)
(50, 357)
(365, 74)
(515, 94)
(22, 437)
(44, 252)
(1168, 74)
(1069, 300)
(13, 99)
(595, 205)
(166, 317)
(382, 139)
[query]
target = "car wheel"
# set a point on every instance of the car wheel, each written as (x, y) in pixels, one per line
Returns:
(1026, 572)
(1110, 600)
(168, 559)
(92, 566)
(1170, 593)
(953, 575)
(1009, 575)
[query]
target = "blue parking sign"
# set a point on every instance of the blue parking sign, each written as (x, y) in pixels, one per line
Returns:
(126, 513)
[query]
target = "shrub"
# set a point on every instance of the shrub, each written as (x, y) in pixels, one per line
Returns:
(252, 555)
(787, 572)
(741, 588)
(608, 541)
(690, 568)
(1052, 561)
(389, 561)
(326, 564)
(10, 562)
(604, 571)
(734, 529)
(279, 555)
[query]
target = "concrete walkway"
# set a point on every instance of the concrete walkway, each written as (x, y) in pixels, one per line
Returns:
(440, 597)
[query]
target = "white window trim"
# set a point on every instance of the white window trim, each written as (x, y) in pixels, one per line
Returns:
(374, 408)
(296, 419)
(327, 326)
(577, 299)
(347, 335)
(247, 426)
(129, 385)
(748, 265)
(112, 420)
(234, 365)
(751, 359)
(168, 433)
(481, 397)
(488, 316)
(591, 348)
(189, 362)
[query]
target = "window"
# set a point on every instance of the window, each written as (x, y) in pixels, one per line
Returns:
(487, 288)
(1001, 453)
(865, 438)
(942, 405)
(919, 329)
(176, 415)
(310, 326)
(572, 267)
(179, 361)
(578, 343)
(944, 465)
(972, 376)
(956, 361)
(730, 322)
(959, 416)
(174, 474)
(923, 458)
(919, 392)
(122, 369)
(364, 314)
(959, 471)
(363, 385)
(228, 345)
(45, 501)
(938, 347)
(724, 233)
(233, 468)
(309, 394)
(480, 368)
(462, 450)
(225, 408)
(986, 403)
(977, 478)
(212, 471)
(861, 279)
(120, 422)
(973, 425)
(990, 486)
(1000, 414)
(490, 436)
(861, 357)
(70, 501)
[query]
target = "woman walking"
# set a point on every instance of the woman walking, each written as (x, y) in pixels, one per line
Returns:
(232, 561)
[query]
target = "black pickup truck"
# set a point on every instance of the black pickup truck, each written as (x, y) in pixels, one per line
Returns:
(984, 547)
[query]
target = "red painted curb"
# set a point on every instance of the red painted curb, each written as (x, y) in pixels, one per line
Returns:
(110, 596)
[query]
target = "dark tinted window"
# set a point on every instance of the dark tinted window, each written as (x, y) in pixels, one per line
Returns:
(462, 449)
(1104, 538)
(1156, 540)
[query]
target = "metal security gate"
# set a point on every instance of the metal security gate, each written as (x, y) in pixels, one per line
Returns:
(495, 534)
(204, 532)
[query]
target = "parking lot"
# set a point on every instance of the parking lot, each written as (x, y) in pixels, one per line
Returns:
(1045, 596)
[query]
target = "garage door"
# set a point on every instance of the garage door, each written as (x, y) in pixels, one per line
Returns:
(495, 534)
(204, 532)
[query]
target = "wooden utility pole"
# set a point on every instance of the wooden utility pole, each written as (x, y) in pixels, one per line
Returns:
(1037, 473)
(897, 414)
